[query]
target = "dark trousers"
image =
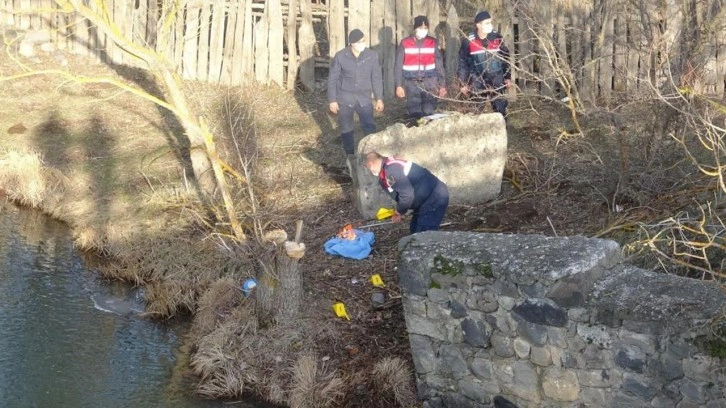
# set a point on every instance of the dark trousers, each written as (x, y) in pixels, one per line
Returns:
(345, 122)
(421, 96)
(428, 217)
(491, 88)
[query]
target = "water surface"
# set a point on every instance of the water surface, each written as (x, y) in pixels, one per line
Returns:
(69, 339)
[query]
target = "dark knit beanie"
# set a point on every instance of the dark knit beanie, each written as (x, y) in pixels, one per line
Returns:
(355, 36)
(481, 16)
(419, 21)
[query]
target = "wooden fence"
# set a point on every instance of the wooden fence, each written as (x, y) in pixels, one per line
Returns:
(605, 46)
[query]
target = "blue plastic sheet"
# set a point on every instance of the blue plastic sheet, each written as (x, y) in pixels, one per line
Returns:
(357, 248)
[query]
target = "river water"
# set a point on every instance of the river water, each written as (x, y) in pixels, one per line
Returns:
(69, 339)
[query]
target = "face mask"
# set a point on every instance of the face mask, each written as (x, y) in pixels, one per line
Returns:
(359, 47)
(487, 28)
(421, 33)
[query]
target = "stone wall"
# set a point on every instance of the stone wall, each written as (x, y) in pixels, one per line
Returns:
(467, 152)
(555, 322)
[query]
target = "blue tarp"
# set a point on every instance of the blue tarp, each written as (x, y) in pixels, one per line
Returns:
(357, 248)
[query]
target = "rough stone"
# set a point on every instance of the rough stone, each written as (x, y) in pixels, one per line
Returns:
(716, 404)
(630, 358)
(475, 333)
(437, 311)
(466, 152)
(655, 301)
(580, 315)
(452, 361)
(424, 355)
(556, 354)
(594, 397)
(502, 346)
(438, 295)
(521, 348)
(693, 391)
(482, 368)
(642, 341)
(425, 327)
(458, 310)
(533, 333)
(527, 384)
(560, 385)
(506, 302)
(621, 399)
(668, 367)
(698, 367)
(541, 356)
(536, 290)
(596, 378)
(597, 335)
(541, 311)
(504, 322)
(477, 390)
(661, 401)
(638, 387)
(414, 305)
(452, 400)
(597, 358)
(557, 336)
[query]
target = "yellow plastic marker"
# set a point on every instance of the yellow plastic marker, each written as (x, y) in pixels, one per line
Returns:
(384, 213)
(339, 309)
(376, 280)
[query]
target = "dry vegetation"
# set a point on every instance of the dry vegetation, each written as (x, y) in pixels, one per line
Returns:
(113, 168)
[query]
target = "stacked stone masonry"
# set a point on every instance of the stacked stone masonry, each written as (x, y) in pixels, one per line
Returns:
(555, 322)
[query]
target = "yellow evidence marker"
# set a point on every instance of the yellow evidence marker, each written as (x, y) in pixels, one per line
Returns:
(384, 213)
(377, 281)
(339, 309)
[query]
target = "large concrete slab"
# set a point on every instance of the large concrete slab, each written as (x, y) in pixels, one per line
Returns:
(467, 152)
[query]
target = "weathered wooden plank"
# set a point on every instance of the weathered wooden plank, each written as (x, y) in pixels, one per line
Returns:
(81, 43)
(225, 77)
(216, 41)
(177, 44)
(588, 88)
(336, 27)
(97, 39)
(525, 57)
(191, 41)
(452, 45)
(359, 16)
(119, 15)
(262, 61)
(506, 29)
(388, 47)
(151, 21)
(547, 22)
(205, 23)
(248, 49)
(237, 58)
(404, 19)
(306, 43)
(35, 22)
(633, 49)
(24, 18)
(291, 41)
(377, 16)
(275, 42)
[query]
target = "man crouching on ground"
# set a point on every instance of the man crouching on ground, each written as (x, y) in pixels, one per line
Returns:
(413, 188)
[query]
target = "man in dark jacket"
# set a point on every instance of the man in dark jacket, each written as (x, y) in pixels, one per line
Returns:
(419, 71)
(484, 64)
(354, 75)
(413, 188)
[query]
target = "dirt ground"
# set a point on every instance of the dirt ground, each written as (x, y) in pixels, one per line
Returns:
(121, 158)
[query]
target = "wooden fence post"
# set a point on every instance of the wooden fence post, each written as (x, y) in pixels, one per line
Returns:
(191, 41)
(274, 42)
(453, 45)
(306, 43)
(262, 29)
(216, 41)
(248, 50)
(292, 62)
(204, 36)
(403, 19)
(336, 27)
(388, 46)
(230, 46)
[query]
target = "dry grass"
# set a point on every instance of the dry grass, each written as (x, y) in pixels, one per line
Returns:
(25, 179)
(392, 378)
(313, 385)
(215, 304)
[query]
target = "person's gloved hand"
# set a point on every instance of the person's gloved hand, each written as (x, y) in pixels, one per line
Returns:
(396, 218)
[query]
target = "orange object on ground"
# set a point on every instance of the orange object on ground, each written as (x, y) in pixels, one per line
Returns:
(347, 232)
